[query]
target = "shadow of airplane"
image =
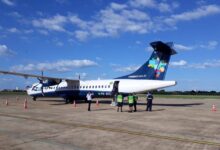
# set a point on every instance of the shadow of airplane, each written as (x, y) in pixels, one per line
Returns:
(179, 105)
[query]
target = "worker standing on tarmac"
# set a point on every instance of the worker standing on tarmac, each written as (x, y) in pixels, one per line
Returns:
(130, 102)
(135, 102)
(89, 100)
(149, 102)
(119, 101)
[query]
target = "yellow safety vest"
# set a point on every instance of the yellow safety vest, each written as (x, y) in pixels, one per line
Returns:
(130, 99)
(119, 98)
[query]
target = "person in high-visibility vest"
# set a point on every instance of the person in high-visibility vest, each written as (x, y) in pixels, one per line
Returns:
(130, 102)
(135, 102)
(119, 101)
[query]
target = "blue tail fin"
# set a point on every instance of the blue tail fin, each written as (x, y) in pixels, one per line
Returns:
(155, 68)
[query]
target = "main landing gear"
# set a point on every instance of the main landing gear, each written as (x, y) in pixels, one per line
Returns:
(34, 98)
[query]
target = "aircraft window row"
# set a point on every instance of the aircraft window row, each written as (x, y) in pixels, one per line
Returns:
(85, 87)
(95, 87)
(81, 87)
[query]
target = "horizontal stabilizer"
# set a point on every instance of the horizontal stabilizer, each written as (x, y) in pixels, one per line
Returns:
(166, 48)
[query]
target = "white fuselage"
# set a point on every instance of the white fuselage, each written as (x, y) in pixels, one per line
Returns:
(104, 87)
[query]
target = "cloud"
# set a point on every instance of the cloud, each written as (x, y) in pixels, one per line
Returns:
(200, 65)
(8, 2)
(130, 68)
(117, 6)
(142, 3)
(182, 47)
(81, 35)
(178, 63)
(59, 66)
(200, 12)
(55, 23)
(15, 14)
(205, 65)
(119, 18)
(13, 30)
(162, 7)
(5, 51)
(209, 45)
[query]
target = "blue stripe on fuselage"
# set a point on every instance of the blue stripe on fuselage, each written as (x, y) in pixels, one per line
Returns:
(78, 94)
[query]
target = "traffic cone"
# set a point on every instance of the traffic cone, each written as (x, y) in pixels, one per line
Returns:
(74, 104)
(6, 102)
(97, 103)
(214, 108)
(25, 104)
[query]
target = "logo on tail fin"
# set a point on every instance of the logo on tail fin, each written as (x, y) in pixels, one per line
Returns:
(158, 66)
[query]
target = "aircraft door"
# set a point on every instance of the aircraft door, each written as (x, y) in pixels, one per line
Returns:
(115, 88)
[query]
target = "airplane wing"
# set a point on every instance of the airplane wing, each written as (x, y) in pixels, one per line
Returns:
(37, 76)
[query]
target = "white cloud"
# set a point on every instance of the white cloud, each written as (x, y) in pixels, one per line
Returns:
(117, 6)
(130, 68)
(119, 18)
(15, 14)
(162, 7)
(55, 23)
(205, 65)
(8, 2)
(210, 45)
(178, 63)
(81, 35)
(149, 49)
(203, 11)
(13, 30)
(200, 65)
(182, 47)
(5, 51)
(59, 66)
(142, 3)
(77, 21)
(138, 42)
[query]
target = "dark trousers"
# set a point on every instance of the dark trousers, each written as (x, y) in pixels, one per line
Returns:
(89, 105)
(135, 105)
(149, 105)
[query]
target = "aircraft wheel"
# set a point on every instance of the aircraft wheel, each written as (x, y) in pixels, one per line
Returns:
(34, 98)
(66, 100)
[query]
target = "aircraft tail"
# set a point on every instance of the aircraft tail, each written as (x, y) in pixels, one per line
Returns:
(155, 68)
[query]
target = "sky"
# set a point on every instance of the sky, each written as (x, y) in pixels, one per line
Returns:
(104, 39)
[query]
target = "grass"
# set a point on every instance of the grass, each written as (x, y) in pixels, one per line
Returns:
(142, 95)
(185, 96)
(12, 93)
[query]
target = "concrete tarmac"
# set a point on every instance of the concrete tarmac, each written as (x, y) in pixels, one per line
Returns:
(183, 124)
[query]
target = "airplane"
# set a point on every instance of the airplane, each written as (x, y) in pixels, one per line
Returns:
(150, 76)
